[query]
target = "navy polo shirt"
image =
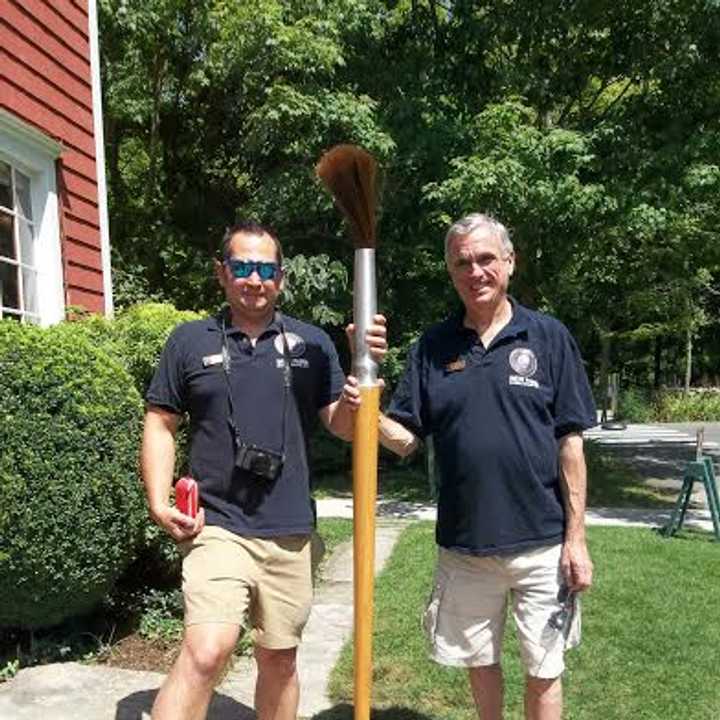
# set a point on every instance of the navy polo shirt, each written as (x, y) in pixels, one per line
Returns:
(495, 416)
(190, 378)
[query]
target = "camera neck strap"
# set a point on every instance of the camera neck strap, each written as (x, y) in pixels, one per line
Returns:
(287, 382)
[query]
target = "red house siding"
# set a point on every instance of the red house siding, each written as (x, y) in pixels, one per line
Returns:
(45, 81)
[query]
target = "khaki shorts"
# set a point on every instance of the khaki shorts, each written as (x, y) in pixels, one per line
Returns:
(265, 583)
(465, 617)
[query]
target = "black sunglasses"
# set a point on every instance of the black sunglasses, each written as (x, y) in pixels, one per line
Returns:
(561, 619)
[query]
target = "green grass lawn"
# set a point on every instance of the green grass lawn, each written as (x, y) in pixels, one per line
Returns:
(611, 483)
(651, 636)
(333, 532)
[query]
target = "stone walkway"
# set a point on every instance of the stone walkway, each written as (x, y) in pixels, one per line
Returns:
(625, 517)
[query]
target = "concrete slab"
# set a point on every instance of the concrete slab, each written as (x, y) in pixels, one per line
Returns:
(628, 517)
(639, 517)
(71, 691)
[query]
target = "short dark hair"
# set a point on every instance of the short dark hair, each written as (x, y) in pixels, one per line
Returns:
(250, 227)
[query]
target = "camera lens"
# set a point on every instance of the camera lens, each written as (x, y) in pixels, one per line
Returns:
(260, 465)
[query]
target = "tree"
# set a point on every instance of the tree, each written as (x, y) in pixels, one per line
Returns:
(591, 128)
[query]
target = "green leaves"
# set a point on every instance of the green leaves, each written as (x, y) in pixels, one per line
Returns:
(72, 509)
(313, 289)
(591, 129)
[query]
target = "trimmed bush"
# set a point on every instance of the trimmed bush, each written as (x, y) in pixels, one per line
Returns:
(139, 334)
(71, 506)
(136, 339)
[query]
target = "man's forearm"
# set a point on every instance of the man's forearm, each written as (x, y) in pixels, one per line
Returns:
(396, 437)
(341, 421)
(573, 485)
(157, 460)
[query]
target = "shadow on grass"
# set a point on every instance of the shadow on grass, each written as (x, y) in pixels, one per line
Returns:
(345, 712)
(619, 477)
(689, 534)
(402, 483)
(222, 707)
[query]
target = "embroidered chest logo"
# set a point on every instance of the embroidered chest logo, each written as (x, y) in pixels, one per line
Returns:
(524, 364)
(296, 346)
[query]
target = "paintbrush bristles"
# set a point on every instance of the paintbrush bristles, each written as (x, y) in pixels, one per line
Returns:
(348, 172)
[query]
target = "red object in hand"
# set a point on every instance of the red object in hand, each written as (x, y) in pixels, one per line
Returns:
(186, 496)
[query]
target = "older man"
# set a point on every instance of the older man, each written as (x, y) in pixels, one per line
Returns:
(503, 393)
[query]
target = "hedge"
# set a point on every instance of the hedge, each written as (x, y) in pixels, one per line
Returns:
(71, 506)
(136, 338)
(139, 334)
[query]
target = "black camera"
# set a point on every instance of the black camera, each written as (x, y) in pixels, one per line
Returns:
(266, 464)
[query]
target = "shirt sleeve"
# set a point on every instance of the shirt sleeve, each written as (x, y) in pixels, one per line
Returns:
(333, 378)
(168, 388)
(574, 406)
(407, 405)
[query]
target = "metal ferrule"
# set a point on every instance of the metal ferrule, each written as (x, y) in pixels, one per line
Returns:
(364, 309)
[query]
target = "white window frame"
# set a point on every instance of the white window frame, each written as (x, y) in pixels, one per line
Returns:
(34, 154)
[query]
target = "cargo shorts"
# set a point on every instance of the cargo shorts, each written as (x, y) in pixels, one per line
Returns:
(465, 616)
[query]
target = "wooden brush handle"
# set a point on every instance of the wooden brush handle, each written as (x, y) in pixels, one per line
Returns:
(365, 456)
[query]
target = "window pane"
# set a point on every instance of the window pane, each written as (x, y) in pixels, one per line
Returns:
(9, 296)
(27, 244)
(7, 242)
(22, 194)
(5, 186)
(30, 290)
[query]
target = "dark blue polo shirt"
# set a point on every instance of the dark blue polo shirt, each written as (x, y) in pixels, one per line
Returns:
(495, 416)
(190, 378)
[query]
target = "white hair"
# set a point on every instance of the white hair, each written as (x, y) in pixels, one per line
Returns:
(470, 223)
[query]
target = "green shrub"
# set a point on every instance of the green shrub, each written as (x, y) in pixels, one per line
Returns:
(71, 506)
(139, 334)
(635, 405)
(697, 405)
(162, 615)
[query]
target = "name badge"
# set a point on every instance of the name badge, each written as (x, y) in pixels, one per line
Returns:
(209, 360)
(455, 366)
(294, 363)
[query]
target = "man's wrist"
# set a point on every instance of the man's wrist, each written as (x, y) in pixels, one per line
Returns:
(157, 508)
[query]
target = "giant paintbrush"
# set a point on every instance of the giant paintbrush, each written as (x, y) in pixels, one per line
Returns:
(349, 174)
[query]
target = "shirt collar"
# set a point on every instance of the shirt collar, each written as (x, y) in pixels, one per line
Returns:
(223, 315)
(518, 324)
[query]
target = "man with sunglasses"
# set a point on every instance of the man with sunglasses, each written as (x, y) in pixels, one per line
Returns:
(503, 393)
(254, 382)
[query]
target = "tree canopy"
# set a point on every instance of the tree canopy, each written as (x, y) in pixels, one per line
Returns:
(590, 127)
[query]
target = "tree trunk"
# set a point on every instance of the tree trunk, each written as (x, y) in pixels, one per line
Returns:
(157, 80)
(657, 365)
(604, 372)
(688, 359)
